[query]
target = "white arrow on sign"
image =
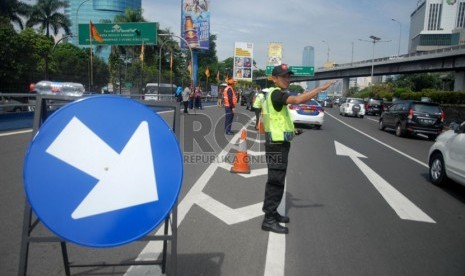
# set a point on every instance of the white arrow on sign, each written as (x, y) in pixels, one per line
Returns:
(404, 208)
(124, 180)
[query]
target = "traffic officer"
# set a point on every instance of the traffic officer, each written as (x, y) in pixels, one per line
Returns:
(257, 106)
(279, 131)
(230, 101)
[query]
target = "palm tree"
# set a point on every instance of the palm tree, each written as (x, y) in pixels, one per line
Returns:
(45, 13)
(13, 9)
(130, 15)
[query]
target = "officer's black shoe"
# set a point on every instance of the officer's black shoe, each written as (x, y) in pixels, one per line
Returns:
(282, 219)
(273, 226)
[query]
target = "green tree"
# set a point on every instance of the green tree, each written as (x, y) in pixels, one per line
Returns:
(21, 56)
(13, 10)
(130, 15)
(419, 82)
(45, 13)
(208, 59)
(71, 63)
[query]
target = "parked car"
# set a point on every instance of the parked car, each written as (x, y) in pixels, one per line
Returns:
(374, 106)
(10, 104)
(352, 107)
(447, 156)
(308, 113)
(413, 117)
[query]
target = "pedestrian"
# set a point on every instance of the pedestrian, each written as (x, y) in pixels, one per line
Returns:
(230, 101)
(198, 97)
(257, 106)
(279, 131)
(186, 93)
(191, 98)
(219, 102)
(178, 94)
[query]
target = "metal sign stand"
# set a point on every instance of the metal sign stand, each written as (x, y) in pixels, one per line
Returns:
(30, 221)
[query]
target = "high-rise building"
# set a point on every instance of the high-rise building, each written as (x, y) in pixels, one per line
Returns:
(97, 11)
(437, 23)
(308, 59)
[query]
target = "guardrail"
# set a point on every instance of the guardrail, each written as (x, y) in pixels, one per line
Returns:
(17, 109)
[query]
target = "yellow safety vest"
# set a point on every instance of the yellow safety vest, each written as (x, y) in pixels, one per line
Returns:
(278, 124)
(258, 101)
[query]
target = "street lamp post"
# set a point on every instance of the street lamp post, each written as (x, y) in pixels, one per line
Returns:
(373, 40)
(77, 26)
(76, 35)
(400, 35)
(159, 57)
(327, 53)
(352, 58)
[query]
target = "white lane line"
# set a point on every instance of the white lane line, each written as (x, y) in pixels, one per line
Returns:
(382, 143)
(276, 251)
(153, 249)
(15, 132)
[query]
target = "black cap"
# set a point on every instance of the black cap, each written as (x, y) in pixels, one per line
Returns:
(281, 70)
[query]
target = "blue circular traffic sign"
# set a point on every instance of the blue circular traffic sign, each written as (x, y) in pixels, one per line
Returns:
(103, 171)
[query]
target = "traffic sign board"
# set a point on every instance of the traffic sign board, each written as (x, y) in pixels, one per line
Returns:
(299, 71)
(132, 33)
(302, 71)
(103, 171)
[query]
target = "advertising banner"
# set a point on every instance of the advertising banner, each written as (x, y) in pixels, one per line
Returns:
(118, 33)
(275, 54)
(195, 24)
(243, 61)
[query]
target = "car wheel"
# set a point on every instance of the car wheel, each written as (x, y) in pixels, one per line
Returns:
(399, 131)
(318, 126)
(356, 109)
(381, 125)
(437, 171)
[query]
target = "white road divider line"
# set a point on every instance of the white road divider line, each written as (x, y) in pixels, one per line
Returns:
(276, 244)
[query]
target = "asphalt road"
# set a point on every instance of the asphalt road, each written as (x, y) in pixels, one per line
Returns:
(359, 200)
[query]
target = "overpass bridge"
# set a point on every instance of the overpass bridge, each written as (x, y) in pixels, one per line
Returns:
(451, 59)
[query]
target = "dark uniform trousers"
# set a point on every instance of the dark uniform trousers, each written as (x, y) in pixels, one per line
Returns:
(276, 158)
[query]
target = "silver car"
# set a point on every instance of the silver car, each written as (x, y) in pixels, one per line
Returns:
(447, 156)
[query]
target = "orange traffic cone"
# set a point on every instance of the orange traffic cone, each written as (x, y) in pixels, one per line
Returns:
(241, 160)
(261, 128)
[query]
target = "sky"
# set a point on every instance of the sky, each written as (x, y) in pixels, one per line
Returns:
(299, 23)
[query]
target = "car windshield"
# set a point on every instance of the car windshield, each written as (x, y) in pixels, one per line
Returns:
(312, 102)
(426, 108)
(355, 101)
(375, 102)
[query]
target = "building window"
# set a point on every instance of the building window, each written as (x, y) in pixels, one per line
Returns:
(461, 16)
(434, 19)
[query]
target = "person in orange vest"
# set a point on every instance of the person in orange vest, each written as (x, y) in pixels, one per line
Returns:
(230, 101)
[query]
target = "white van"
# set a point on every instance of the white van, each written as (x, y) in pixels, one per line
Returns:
(165, 93)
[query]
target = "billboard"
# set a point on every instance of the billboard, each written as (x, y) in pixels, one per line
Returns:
(243, 61)
(195, 24)
(119, 33)
(275, 54)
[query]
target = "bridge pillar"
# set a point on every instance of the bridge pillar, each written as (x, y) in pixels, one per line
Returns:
(345, 86)
(459, 84)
